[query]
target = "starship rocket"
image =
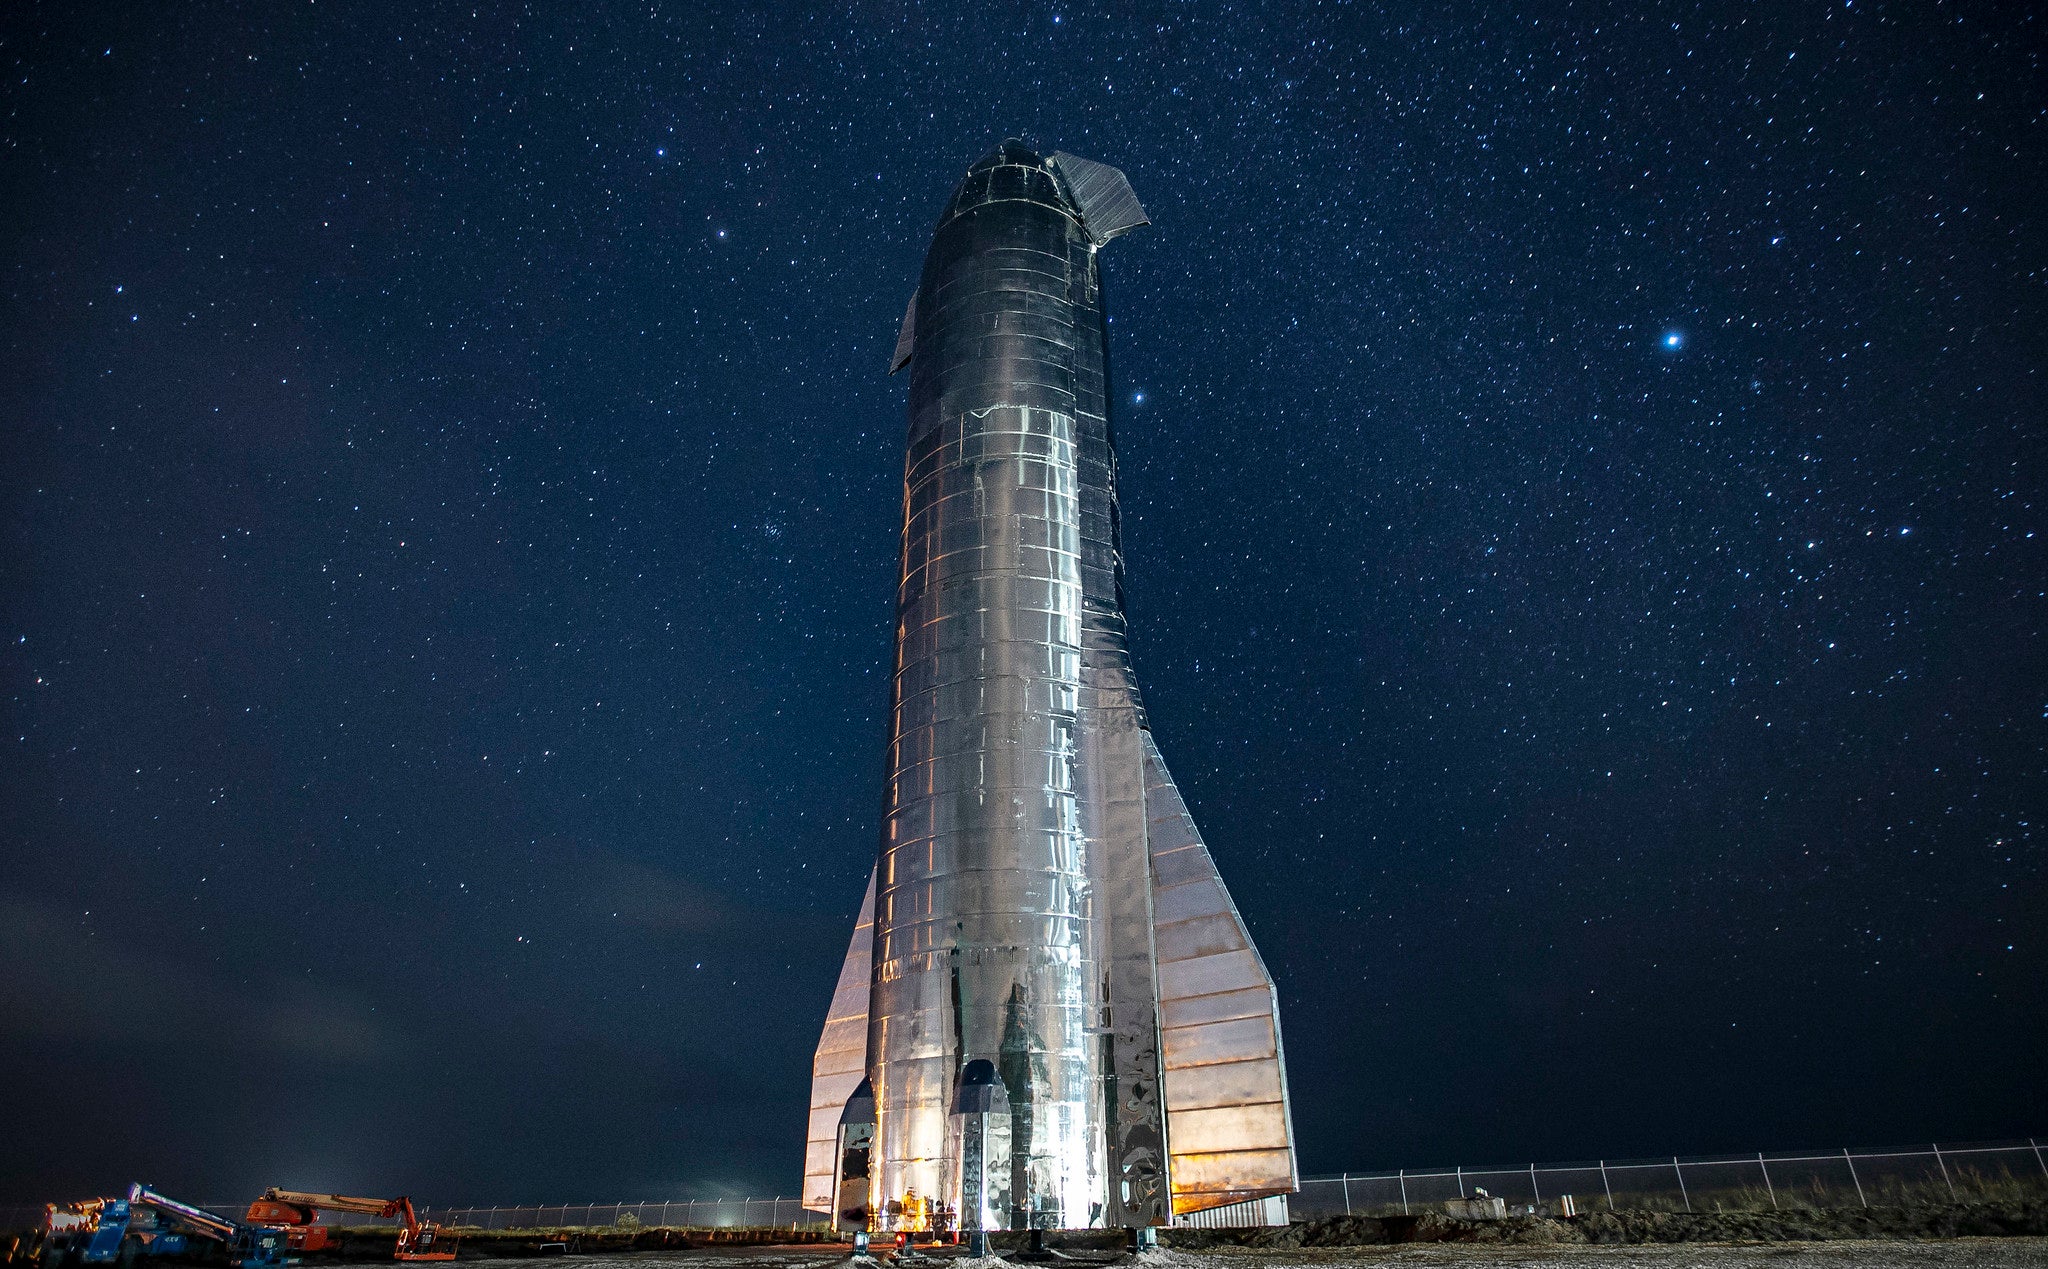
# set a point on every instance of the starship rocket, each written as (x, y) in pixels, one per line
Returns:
(1051, 1015)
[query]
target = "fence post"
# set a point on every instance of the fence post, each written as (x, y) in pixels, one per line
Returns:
(2037, 1156)
(1768, 1189)
(664, 1213)
(1532, 1184)
(1461, 1181)
(1403, 1176)
(1345, 1181)
(1944, 1172)
(1604, 1186)
(1681, 1182)
(1853, 1177)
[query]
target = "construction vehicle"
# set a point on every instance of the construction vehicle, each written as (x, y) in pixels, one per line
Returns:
(101, 1231)
(298, 1215)
(239, 1245)
(146, 1223)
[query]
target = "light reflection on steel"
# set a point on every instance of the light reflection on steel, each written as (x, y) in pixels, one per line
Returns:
(1018, 919)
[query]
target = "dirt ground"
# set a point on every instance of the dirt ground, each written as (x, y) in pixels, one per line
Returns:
(1958, 1253)
(1992, 1253)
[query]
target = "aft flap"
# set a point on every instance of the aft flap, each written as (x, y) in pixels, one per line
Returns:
(841, 1062)
(1108, 205)
(1228, 1126)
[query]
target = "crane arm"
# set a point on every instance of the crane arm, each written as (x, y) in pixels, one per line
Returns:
(339, 1202)
(198, 1218)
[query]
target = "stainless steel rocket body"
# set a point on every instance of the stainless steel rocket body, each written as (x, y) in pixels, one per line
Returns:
(983, 938)
(1014, 916)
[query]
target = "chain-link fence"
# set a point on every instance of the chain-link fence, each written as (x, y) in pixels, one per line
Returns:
(1845, 1178)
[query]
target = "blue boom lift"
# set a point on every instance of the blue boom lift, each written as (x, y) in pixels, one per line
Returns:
(103, 1231)
(100, 1231)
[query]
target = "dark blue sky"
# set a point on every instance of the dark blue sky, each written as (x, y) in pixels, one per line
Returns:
(1582, 525)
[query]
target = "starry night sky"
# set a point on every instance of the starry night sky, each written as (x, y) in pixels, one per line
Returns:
(1582, 488)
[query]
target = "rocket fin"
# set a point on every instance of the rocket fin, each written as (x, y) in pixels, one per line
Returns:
(1108, 204)
(841, 1062)
(1229, 1130)
(906, 336)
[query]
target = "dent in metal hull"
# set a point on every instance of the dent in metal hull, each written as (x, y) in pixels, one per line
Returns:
(1013, 905)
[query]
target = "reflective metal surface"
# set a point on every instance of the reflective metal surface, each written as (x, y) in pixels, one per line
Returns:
(978, 1161)
(1227, 1110)
(855, 1151)
(841, 1062)
(1111, 758)
(1106, 201)
(1016, 904)
(983, 945)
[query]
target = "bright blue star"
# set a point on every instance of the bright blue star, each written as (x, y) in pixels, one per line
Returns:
(1672, 339)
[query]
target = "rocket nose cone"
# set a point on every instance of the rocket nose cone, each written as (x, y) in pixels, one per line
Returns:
(1012, 150)
(1014, 175)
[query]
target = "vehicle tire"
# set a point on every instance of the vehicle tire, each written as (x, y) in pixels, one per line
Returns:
(131, 1251)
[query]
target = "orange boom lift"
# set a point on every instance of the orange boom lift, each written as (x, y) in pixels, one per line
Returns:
(299, 1215)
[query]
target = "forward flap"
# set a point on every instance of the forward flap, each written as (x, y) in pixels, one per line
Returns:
(1108, 204)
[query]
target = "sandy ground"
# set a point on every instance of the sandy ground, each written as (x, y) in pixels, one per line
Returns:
(1990, 1253)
